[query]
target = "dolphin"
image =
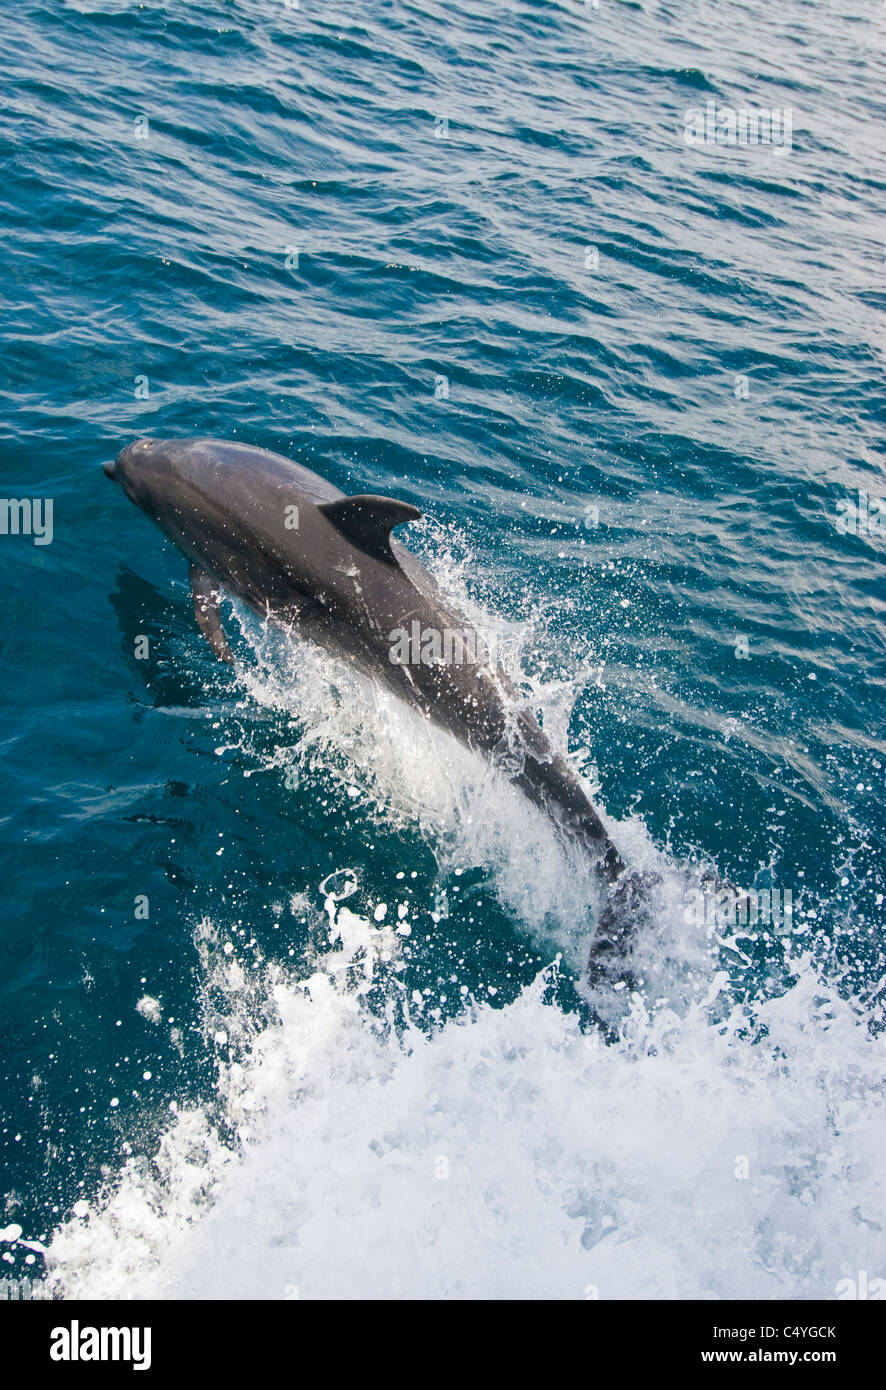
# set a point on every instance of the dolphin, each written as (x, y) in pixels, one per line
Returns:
(326, 566)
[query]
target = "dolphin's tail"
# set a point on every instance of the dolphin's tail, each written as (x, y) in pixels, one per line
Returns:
(551, 784)
(632, 933)
(629, 894)
(628, 908)
(548, 781)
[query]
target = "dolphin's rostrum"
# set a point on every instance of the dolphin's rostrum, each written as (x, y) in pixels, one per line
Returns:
(301, 553)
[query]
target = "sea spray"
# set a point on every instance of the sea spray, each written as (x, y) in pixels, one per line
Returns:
(727, 1151)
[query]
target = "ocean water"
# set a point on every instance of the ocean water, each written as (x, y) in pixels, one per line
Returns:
(292, 985)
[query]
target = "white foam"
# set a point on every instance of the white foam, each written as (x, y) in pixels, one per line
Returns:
(507, 1155)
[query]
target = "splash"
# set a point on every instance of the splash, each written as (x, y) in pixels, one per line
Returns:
(725, 1152)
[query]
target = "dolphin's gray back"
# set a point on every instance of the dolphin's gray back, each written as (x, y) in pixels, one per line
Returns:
(318, 490)
(245, 456)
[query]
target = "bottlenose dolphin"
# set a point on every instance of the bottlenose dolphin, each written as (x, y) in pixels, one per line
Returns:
(305, 556)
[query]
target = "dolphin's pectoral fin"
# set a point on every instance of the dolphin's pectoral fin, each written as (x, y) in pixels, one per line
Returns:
(208, 615)
(368, 521)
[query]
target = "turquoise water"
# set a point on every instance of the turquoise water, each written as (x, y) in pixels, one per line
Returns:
(461, 255)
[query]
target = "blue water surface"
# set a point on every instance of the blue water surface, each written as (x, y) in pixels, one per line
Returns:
(458, 253)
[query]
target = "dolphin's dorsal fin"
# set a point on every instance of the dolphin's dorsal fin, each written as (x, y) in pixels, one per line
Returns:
(368, 521)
